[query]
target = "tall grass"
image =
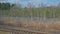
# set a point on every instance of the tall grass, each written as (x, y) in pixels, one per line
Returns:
(41, 26)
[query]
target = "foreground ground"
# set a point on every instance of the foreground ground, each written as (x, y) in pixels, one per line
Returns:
(50, 27)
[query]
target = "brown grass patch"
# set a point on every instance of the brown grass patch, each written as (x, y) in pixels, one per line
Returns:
(37, 26)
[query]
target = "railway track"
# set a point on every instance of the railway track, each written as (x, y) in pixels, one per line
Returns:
(20, 31)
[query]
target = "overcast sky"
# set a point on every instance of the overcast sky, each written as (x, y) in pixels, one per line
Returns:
(36, 2)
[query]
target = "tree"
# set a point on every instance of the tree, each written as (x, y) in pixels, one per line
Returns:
(18, 5)
(58, 5)
(13, 6)
(30, 9)
(47, 13)
(4, 6)
(30, 5)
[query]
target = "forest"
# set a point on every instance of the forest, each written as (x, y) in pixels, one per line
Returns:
(16, 10)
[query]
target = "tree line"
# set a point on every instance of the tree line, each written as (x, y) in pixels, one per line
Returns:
(4, 6)
(30, 10)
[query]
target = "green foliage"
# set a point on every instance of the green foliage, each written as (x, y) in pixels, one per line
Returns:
(47, 13)
(28, 12)
(4, 6)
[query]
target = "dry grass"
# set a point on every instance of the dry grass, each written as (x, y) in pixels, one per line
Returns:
(53, 26)
(37, 26)
(9, 21)
(5, 32)
(43, 26)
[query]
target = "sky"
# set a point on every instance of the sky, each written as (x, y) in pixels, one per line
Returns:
(35, 2)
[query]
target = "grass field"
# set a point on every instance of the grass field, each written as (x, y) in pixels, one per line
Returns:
(4, 32)
(33, 25)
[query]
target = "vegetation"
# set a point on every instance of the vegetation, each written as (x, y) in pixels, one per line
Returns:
(29, 11)
(5, 32)
(7, 10)
(42, 26)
